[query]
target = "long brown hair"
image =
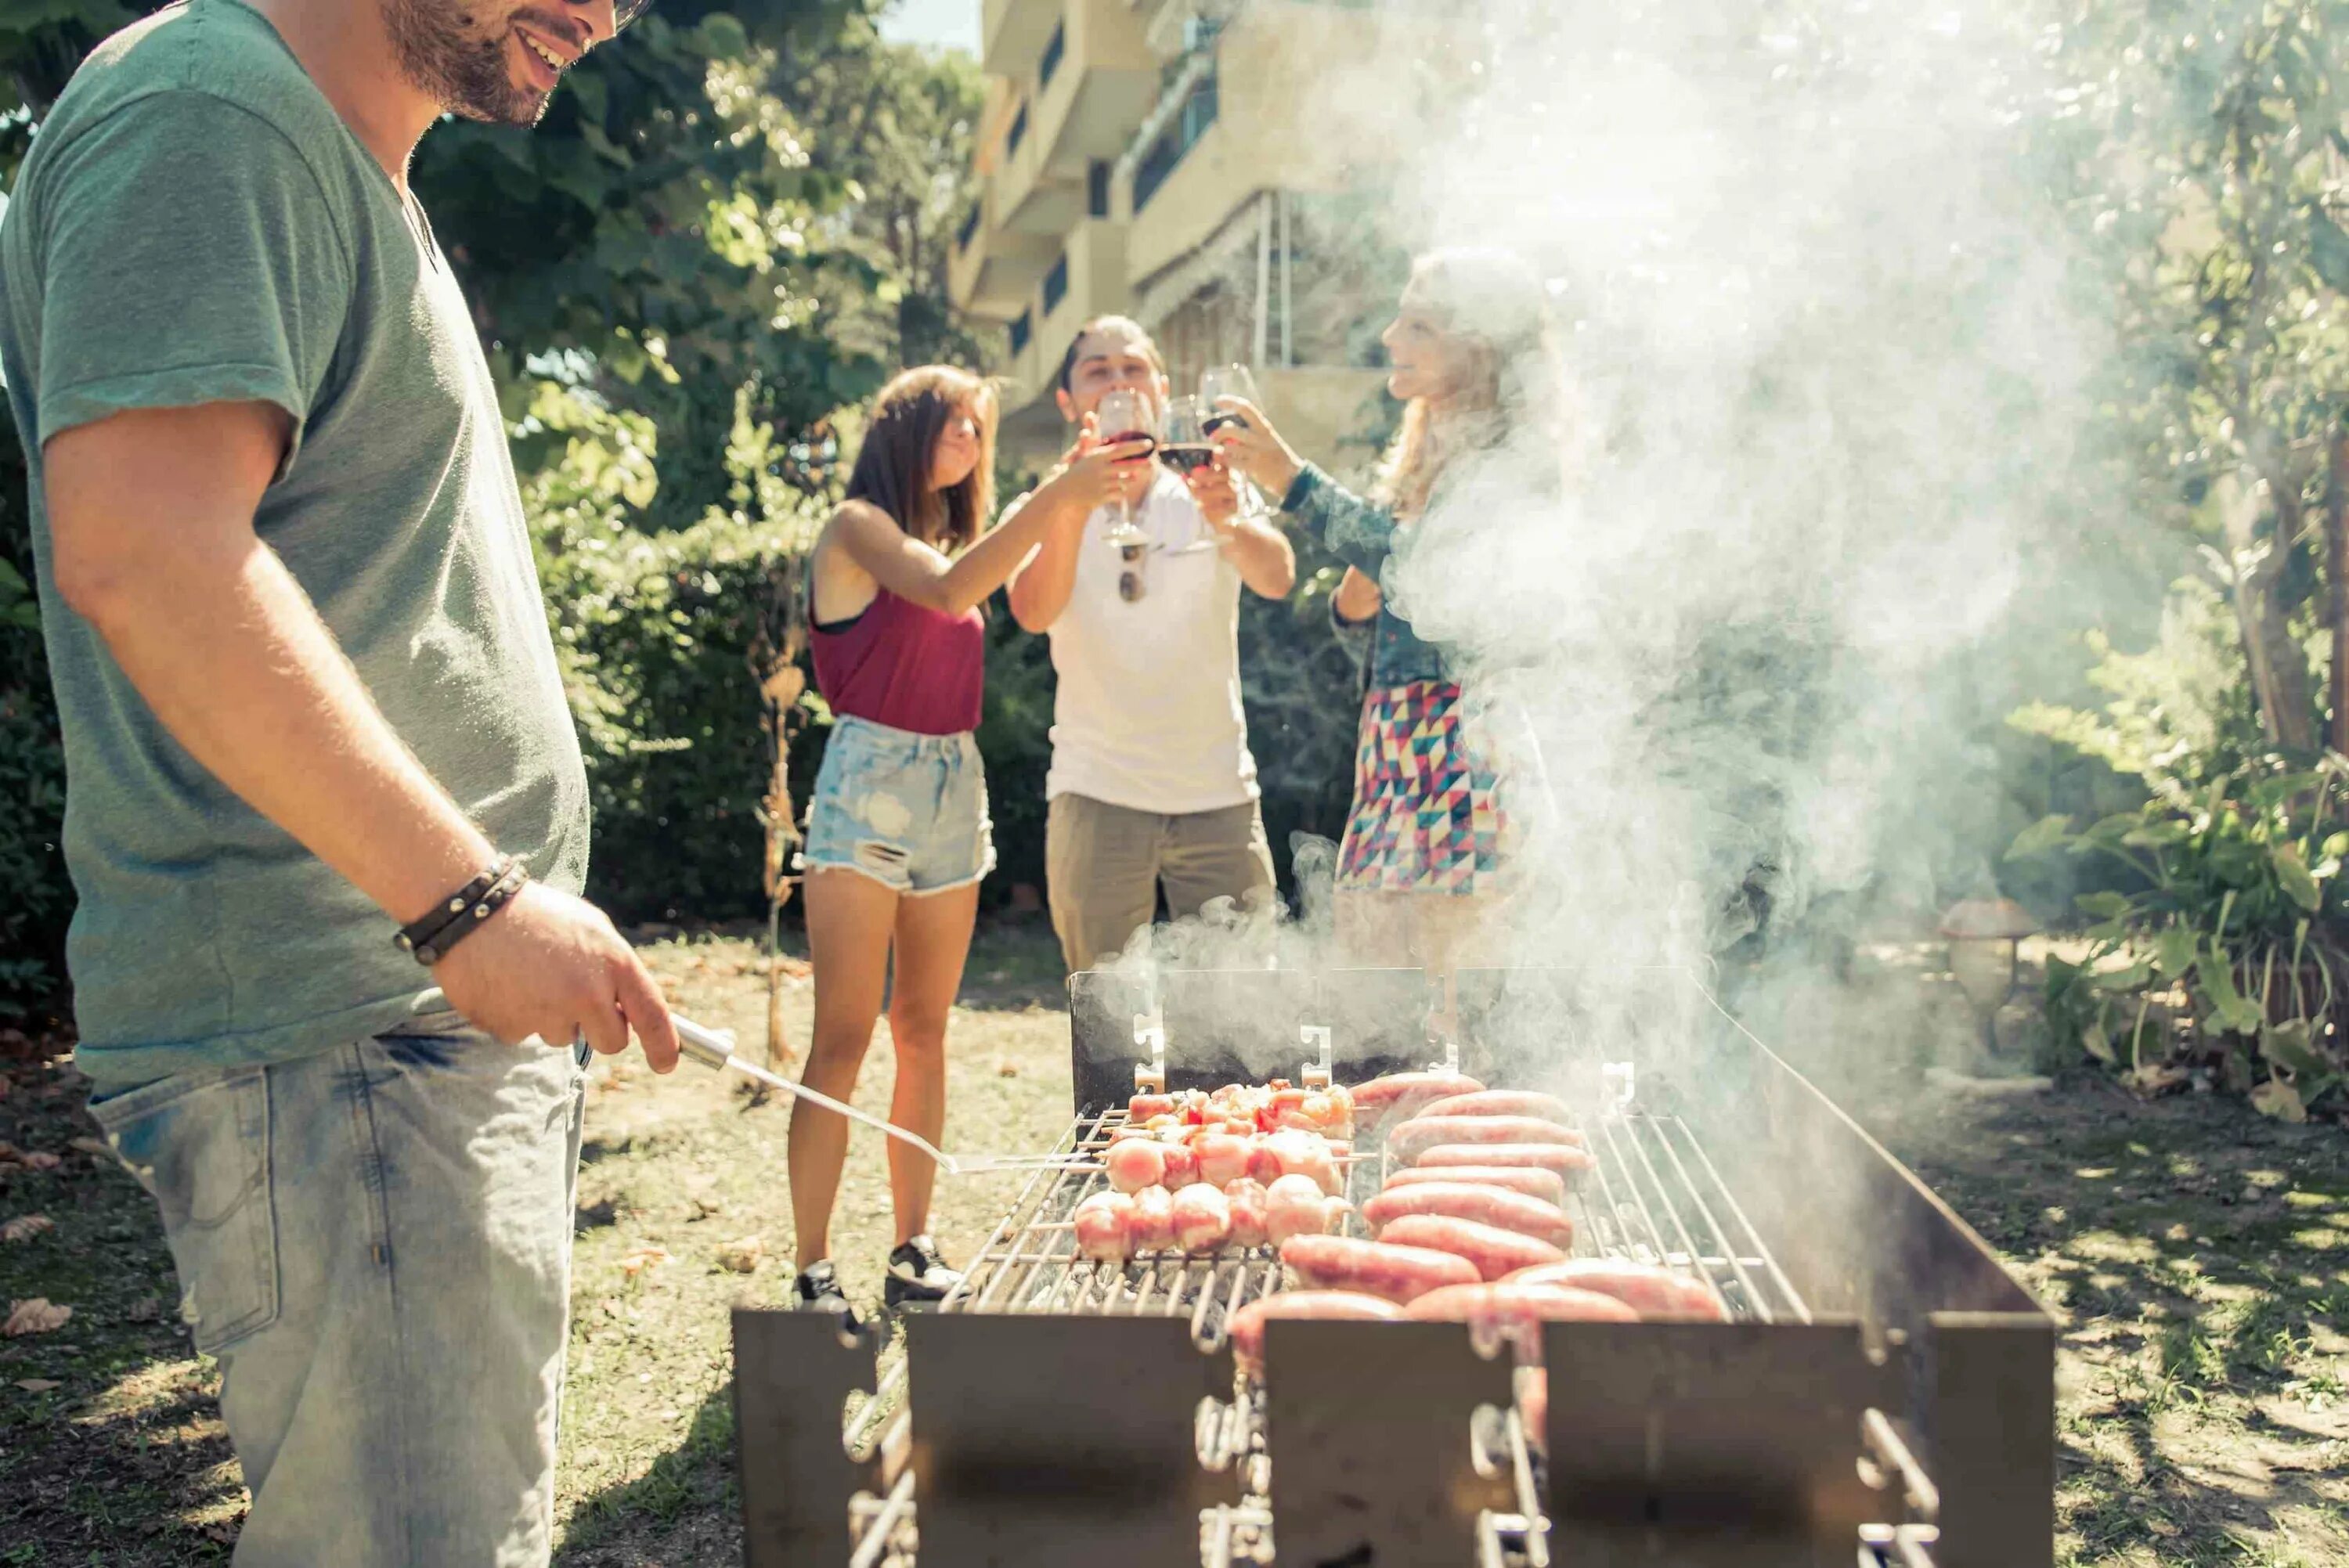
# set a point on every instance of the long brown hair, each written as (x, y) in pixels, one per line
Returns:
(894, 466)
(1497, 305)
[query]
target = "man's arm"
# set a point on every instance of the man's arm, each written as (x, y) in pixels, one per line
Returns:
(1266, 560)
(150, 515)
(1042, 584)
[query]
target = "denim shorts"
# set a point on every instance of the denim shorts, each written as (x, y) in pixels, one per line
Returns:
(907, 810)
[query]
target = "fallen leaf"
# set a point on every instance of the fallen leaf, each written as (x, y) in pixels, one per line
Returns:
(38, 1315)
(25, 1227)
(96, 1147)
(38, 1385)
(1007, 1070)
(742, 1255)
(41, 1159)
(632, 1262)
(2278, 1098)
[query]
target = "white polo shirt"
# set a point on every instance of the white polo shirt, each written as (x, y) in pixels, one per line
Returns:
(1148, 711)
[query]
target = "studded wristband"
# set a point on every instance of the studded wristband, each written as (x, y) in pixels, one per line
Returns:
(431, 936)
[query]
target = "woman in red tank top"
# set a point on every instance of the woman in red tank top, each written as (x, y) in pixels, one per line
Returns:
(897, 834)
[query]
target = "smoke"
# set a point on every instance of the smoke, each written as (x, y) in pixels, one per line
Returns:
(1822, 370)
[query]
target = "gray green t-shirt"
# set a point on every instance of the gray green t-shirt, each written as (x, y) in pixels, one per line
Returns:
(196, 225)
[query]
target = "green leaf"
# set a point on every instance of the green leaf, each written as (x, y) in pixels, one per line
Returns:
(2103, 905)
(2287, 1046)
(2291, 874)
(2047, 833)
(2328, 251)
(2119, 980)
(2228, 1010)
(2173, 953)
(2092, 1041)
(2158, 835)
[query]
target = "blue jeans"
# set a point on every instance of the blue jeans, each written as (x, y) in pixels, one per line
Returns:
(375, 1242)
(907, 810)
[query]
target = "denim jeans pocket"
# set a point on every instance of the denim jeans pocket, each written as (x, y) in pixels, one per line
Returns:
(200, 1147)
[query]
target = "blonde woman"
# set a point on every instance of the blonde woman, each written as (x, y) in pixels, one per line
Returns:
(1419, 865)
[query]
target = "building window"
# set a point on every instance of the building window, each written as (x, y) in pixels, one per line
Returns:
(1097, 188)
(969, 230)
(1054, 47)
(1020, 330)
(1056, 285)
(1198, 112)
(1019, 131)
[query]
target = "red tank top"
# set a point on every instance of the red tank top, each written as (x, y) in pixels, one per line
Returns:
(900, 664)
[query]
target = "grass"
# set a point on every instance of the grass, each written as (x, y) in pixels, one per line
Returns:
(2203, 1405)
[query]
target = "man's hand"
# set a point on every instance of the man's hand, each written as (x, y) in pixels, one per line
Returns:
(550, 965)
(1093, 476)
(1217, 495)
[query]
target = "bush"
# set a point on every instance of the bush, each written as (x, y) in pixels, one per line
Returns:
(40, 898)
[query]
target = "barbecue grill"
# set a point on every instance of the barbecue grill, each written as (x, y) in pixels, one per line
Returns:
(1882, 1395)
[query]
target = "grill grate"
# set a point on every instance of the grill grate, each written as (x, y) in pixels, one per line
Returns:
(1656, 1198)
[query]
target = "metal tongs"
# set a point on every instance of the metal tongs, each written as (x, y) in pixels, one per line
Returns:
(714, 1048)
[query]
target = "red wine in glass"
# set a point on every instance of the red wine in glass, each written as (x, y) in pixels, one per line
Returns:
(1186, 457)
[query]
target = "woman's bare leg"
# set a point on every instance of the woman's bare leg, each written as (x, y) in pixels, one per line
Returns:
(849, 921)
(933, 942)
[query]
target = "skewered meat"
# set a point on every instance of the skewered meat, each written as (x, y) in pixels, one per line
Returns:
(1141, 1107)
(1422, 1133)
(1182, 1165)
(1487, 1205)
(1500, 1102)
(1401, 1093)
(1494, 1252)
(1304, 1153)
(1653, 1293)
(1250, 1213)
(1153, 1225)
(1223, 1158)
(1203, 1218)
(1135, 1164)
(1400, 1273)
(1248, 1323)
(1564, 1158)
(1296, 1206)
(1514, 1312)
(1104, 1225)
(1546, 1185)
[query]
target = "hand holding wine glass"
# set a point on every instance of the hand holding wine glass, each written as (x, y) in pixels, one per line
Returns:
(1183, 447)
(1127, 416)
(1250, 446)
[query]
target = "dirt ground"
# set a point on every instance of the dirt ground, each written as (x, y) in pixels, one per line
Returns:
(2199, 1256)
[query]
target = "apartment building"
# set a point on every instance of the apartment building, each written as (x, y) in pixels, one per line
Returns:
(1215, 168)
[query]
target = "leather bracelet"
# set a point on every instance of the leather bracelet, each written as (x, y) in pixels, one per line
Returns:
(501, 893)
(426, 929)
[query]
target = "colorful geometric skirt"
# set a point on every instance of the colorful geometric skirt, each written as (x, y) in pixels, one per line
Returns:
(1425, 819)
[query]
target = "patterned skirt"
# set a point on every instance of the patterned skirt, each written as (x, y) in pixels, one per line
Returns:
(1425, 816)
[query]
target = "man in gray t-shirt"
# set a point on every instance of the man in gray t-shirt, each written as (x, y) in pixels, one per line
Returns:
(325, 811)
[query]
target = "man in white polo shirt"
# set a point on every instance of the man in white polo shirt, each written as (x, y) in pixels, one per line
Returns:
(1150, 780)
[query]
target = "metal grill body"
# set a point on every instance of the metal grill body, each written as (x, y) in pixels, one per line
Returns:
(1882, 1393)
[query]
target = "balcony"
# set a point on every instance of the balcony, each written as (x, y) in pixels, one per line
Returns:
(1086, 280)
(993, 271)
(1012, 33)
(1082, 111)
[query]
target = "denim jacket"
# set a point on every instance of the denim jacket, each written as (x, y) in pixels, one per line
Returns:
(1361, 534)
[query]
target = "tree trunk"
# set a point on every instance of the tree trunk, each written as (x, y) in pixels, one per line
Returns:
(2280, 675)
(2336, 583)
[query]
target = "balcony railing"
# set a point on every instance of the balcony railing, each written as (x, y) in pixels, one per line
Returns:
(1056, 285)
(1198, 113)
(1019, 131)
(968, 228)
(1021, 330)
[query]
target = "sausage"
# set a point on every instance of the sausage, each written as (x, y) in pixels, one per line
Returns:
(1514, 1312)
(1652, 1293)
(1382, 1097)
(1104, 1227)
(1494, 1252)
(1153, 1226)
(1564, 1158)
(1422, 1133)
(1487, 1205)
(1203, 1218)
(1534, 1182)
(1500, 1102)
(1135, 1164)
(1295, 1206)
(1248, 1323)
(1399, 1274)
(1250, 1213)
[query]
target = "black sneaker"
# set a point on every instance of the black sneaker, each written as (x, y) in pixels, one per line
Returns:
(818, 1289)
(918, 1276)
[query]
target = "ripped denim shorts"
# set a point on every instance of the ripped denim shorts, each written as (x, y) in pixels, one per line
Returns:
(907, 810)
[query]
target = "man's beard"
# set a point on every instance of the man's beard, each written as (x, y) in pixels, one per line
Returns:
(469, 75)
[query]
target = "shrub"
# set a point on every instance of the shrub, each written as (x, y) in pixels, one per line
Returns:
(40, 897)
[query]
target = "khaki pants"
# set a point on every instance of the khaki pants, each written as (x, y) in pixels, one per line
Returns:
(1102, 865)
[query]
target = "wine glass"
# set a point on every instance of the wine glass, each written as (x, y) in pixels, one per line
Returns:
(1183, 446)
(1125, 416)
(1231, 381)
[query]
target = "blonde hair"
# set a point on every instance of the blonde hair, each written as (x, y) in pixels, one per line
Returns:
(1493, 303)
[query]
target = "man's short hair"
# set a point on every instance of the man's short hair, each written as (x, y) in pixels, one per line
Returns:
(1099, 324)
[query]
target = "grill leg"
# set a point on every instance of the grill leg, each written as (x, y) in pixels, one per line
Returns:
(1994, 1449)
